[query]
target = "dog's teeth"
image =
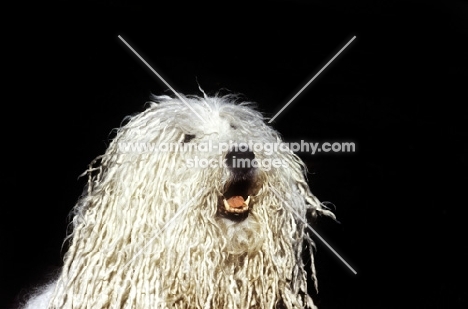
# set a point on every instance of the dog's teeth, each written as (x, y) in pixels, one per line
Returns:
(240, 209)
(226, 204)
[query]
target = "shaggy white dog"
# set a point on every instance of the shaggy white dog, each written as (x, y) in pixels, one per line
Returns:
(189, 208)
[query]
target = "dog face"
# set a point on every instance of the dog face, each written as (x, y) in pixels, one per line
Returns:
(218, 136)
(229, 130)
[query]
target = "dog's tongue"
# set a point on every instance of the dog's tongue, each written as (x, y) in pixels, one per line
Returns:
(236, 201)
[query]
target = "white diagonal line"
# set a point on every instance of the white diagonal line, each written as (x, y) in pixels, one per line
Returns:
(329, 247)
(284, 107)
(160, 77)
(313, 231)
(158, 233)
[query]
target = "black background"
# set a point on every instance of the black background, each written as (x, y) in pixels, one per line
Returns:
(398, 91)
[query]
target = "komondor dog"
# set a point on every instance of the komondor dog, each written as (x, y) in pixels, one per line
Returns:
(190, 207)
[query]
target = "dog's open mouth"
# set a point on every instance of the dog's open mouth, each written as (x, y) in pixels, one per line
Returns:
(235, 203)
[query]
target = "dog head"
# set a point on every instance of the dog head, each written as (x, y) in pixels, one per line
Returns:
(199, 197)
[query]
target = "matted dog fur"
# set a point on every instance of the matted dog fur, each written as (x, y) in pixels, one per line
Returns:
(155, 230)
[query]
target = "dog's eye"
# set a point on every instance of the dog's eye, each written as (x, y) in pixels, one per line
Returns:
(188, 138)
(233, 127)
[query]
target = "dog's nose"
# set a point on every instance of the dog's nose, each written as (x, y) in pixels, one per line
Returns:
(240, 160)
